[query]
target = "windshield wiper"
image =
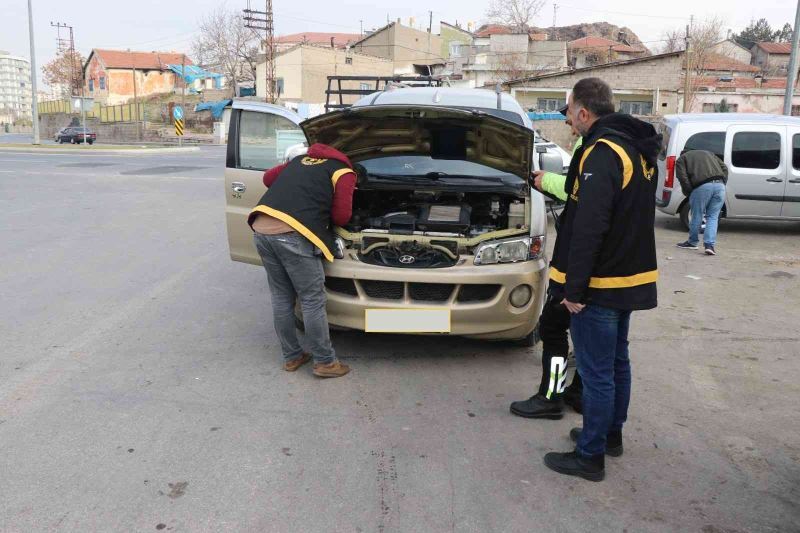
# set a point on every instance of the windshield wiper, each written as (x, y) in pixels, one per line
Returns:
(434, 176)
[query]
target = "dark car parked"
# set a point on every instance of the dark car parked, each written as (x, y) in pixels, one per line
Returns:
(76, 136)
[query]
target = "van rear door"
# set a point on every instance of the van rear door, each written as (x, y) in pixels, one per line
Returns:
(664, 188)
(757, 160)
(791, 195)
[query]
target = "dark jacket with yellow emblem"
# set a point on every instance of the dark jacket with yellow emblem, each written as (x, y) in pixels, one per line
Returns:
(605, 252)
(303, 193)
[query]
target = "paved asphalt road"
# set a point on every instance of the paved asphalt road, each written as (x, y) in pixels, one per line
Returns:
(140, 386)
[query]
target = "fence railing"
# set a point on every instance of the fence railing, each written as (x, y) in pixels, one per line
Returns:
(106, 114)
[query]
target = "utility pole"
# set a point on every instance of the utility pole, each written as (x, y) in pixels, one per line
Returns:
(791, 76)
(135, 98)
(34, 95)
(555, 13)
(361, 22)
(183, 93)
(263, 20)
(686, 72)
(67, 47)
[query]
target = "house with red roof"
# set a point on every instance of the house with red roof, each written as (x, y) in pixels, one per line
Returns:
(772, 58)
(593, 50)
(116, 76)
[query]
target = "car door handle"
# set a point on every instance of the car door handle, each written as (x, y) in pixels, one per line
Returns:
(794, 181)
(775, 180)
(238, 186)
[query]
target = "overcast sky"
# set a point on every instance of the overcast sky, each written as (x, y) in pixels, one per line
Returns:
(169, 24)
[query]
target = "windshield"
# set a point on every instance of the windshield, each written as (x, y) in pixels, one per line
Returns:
(417, 165)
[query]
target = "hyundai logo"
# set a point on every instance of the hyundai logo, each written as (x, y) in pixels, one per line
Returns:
(407, 259)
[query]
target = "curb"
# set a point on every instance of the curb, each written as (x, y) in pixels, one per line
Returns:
(134, 151)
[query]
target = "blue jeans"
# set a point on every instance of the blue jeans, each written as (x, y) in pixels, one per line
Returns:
(295, 272)
(600, 340)
(707, 200)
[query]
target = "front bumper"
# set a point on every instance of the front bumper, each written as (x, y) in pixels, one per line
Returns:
(468, 291)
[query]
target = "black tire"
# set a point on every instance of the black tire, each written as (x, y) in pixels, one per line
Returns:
(685, 215)
(90, 141)
(528, 341)
(73, 140)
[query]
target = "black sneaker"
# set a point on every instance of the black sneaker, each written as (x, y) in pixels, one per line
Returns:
(613, 441)
(572, 464)
(538, 406)
(710, 249)
(686, 245)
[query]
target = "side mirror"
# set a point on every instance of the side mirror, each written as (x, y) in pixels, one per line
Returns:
(551, 162)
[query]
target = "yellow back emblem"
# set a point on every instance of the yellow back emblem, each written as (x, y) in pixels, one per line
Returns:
(647, 170)
(312, 161)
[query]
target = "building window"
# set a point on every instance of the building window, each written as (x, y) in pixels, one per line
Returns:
(550, 104)
(102, 83)
(636, 108)
(91, 85)
(796, 150)
(365, 86)
(796, 110)
(760, 149)
(455, 49)
(278, 88)
(348, 60)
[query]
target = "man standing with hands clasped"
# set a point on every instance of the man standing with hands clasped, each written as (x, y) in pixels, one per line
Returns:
(604, 265)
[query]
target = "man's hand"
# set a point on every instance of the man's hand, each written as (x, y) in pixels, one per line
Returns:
(572, 307)
(537, 179)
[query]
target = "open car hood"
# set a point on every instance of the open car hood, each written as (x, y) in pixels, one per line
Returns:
(370, 132)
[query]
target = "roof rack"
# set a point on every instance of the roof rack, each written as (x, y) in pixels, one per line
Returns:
(376, 84)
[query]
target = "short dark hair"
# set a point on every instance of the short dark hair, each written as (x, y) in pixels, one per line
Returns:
(595, 95)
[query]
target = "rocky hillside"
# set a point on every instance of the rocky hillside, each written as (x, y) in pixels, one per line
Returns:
(598, 29)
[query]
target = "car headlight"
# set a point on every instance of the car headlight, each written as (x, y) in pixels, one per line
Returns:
(510, 251)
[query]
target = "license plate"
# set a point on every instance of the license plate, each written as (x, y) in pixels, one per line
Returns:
(407, 320)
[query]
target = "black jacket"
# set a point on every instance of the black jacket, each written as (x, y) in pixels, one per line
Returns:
(303, 194)
(696, 167)
(605, 252)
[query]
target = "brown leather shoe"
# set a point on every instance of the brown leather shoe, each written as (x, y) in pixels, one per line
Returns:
(294, 364)
(331, 370)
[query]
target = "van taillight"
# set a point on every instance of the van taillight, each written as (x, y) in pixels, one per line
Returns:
(670, 181)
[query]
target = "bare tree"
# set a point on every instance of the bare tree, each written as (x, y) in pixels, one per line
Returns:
(516, 14)
(673, 41)
(703, 37)
(224, 44)
(64, 72)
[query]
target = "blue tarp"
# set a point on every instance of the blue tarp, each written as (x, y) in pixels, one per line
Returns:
(216, 108)
(193, 72)
(546, 116)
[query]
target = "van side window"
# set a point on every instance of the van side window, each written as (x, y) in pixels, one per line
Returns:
(756, 149)
(264, 138)
(796, 151)
(712, 141)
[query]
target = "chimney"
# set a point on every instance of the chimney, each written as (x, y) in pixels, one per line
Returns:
(759, 80)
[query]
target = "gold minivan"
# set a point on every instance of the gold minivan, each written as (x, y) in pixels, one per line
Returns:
(446, 236)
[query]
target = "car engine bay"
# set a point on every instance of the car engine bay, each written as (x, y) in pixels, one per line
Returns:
(429, 229)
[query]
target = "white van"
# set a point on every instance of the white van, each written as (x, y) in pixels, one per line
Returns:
(762, 153)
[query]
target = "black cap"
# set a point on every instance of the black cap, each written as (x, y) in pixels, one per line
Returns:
(563, 110)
